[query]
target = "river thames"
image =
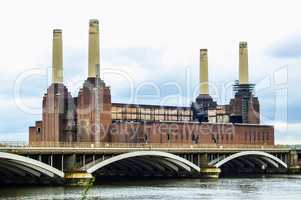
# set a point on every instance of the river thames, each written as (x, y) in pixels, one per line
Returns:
(273, 187)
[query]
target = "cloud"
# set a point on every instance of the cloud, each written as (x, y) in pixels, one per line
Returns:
(287, 133)
(289, 47)
(14, 138)
(17, 118)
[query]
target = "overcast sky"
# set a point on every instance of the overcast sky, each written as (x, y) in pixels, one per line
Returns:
(151, 49)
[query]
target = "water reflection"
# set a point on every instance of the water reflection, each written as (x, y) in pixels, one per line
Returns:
(276, 187)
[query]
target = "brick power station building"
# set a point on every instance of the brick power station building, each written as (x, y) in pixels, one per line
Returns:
(92, 117)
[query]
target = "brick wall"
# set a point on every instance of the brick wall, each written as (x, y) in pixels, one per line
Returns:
(93, 118)
(191, 133)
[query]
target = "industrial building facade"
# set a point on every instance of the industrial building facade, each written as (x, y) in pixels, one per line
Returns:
(92, 117)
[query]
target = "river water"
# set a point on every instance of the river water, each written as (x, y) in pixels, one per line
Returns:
(276, 187)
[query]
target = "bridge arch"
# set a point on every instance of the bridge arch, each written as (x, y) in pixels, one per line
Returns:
(251, 157)
(147, 161)
(20, 169)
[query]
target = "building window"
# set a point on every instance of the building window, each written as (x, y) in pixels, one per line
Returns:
(38, 130)
(147, 117)
(267, 136)
(119, 109)
(169, 136)
(213, 139)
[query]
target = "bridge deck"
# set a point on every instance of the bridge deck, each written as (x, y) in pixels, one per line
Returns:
(82, 147)
(70, 150)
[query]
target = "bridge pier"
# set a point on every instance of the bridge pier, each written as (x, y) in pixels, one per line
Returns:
(207, 171)
(69, 162)
(294, 168)
(210, 172)
(78, 179)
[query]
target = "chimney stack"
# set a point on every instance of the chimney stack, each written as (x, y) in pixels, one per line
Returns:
(203, 71)
(57, 57)
(243, 63)
(93, 48)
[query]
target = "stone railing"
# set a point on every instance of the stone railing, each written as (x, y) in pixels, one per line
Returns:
(4, 144)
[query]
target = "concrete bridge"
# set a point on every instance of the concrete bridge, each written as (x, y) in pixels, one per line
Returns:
(80, 163)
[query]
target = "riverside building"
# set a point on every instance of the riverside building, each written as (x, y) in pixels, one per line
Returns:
(91, 116)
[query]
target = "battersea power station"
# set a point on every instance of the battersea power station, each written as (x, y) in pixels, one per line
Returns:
(92, 118)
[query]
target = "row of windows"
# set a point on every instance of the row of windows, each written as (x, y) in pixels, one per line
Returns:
(249, 136)
(151, 110)
(149, 117)
(171, 137)
(150, 113)
(226, 137)
(259, 136)
(219, 119)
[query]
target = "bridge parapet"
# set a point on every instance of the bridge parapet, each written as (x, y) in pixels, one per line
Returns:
(131, 145)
